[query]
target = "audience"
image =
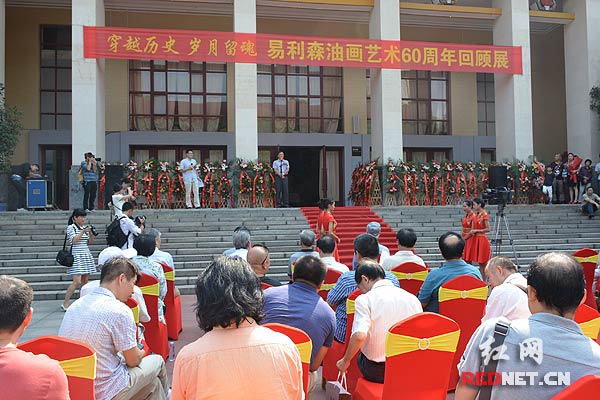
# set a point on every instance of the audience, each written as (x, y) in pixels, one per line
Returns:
(374, 229)
(103, 321)
(365, 247)
(406, 238)
(260, 261)
(236, 358)
(145, 246)
(159, 255)
(509, 290)
(326, 246)
(451, 246)
(556, 287)
(307, 247)
(24, 375)
(299, 305)
(381, 306)
(241, 243)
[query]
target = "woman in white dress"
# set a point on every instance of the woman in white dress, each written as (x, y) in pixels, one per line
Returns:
(79, 236)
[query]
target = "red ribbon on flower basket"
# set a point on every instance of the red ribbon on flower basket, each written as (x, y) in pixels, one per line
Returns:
(484, 178)
(225, 181)
(245, 178)
(177, 178)
(101, 192)
(460, 180)
(472, 184)
(436, 178)
(148, 187)
(273, 191)
(426, 184)
(523, 186)
(406, 198)
(159, 185)
(208, 187)
(413, 195)
(443, 193)
(261, 182)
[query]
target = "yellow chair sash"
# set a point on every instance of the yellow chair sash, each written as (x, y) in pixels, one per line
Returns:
(590, 328)
(170, 275)
(82, 367)
(305, 350)
(452, 294)
(400, 344)
(151, 290)
(590, 259)
(350, 306)
(327, 286)
(407, 276)
(136, 314)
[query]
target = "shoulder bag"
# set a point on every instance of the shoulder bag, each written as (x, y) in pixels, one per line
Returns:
(64, 257)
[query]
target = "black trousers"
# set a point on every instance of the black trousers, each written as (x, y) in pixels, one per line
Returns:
(589, 208)
(281, 191)
(89, 195)
(18, 183)
(371, 370)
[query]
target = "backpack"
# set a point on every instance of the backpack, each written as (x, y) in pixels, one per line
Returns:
(114, 233)
(80, 176)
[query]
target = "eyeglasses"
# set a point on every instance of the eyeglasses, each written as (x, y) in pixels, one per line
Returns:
(265, 260)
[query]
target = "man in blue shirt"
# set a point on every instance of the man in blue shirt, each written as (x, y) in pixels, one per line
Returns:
(307, 247)
(90, 181)
(365, 247)
(281, 167)
(451, 246)
(299, 305)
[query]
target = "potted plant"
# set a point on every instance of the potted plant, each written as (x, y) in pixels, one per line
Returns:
(10, 127)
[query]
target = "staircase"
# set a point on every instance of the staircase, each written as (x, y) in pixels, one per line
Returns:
(29, 242)
(535, 229)
(351, 222)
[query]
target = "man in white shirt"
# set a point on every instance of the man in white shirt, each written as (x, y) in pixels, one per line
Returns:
(509, 291)
(326, 246)
(406, 239)
(241, 243)
(128, 225)
(188, 166)
(122, 193)
(159, 255)
(381, 306)
(281, 167)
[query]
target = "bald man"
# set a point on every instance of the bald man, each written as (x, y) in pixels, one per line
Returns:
(260, 261)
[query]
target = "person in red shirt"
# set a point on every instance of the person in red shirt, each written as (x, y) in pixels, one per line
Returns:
(23, 375)
(467, 225)
(328, 224)
(480, 251)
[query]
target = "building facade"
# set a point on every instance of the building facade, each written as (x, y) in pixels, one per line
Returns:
(326, 119)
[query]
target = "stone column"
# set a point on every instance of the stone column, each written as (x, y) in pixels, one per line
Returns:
(582, 72)
(386, 87)
(514, 122)
(2, 41)
(245, 87)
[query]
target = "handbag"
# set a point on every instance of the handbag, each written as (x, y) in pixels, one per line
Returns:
(338, 389)
(64, 257)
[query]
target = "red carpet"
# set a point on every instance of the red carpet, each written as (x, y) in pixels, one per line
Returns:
(351, 222)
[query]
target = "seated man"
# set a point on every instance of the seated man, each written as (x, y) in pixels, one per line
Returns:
(159, 255)
(374, 229)
(554, 343)
(103, 321)
(509, 290)
(451, 246)
(260, 261)
(145, 246)
(299, 305)
(406, 239)
(380, 307)
(326, 246)
(236, 358)
(590, 202)
(24, 375)
(307, 247)
(365, 247)
(241, 243)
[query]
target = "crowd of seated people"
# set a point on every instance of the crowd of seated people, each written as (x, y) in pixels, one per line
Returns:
(235, 297)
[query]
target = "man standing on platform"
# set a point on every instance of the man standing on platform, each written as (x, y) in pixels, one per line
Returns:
(187, 166)
(90, 181)
(281, 167)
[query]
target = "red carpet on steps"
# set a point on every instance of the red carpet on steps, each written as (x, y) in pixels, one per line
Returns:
(351, 222)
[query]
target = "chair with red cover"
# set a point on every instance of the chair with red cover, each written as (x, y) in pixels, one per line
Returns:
(265, 286)
(304, 345)
(463, 299)
(589, 321)
(331, 279)
(419, 357)
(411, 276)
(589, 260)
(135, 309)
(584, 388)
(77, 359)
(173, 304)
(156, 331)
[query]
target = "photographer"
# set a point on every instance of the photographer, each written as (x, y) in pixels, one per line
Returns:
(90, 181)
(122, 193)
(79, 236)
(130, 226)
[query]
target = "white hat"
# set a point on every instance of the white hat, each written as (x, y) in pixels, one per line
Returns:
(129, 253)
(108, 254)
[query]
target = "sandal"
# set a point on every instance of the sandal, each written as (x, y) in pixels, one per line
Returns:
(63, 308)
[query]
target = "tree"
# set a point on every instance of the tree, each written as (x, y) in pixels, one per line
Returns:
(10, 127)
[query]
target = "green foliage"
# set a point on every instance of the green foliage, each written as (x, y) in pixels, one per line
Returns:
(595, 99)
(10, 127)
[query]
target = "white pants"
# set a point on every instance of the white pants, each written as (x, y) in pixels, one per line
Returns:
(191, 186)
(147, 381)
(547, 190)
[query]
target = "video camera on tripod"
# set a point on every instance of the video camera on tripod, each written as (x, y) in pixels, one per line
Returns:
(497, 192)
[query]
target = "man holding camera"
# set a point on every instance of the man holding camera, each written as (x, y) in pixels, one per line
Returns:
(188, 166)
(90, 181)
(130, 226)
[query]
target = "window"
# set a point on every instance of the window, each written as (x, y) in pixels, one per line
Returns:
(425, 103)
(55, 77)
(178, 96)
(299, 99)
(488, 155)
(486, 103)
(173, 154)
(426, 155)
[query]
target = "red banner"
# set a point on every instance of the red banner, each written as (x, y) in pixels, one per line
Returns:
(205, 46)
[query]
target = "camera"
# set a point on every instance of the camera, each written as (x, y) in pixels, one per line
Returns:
(499, 195)
(98, 159)
(93, 229)
(139, 221)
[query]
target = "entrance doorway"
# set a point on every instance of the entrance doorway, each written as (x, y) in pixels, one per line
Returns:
(56, 163)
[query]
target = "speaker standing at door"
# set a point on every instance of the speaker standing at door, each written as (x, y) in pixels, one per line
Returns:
(113, 174)
(281, 167)
(498, 177)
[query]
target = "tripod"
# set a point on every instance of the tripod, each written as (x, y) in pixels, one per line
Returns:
(498, 234)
